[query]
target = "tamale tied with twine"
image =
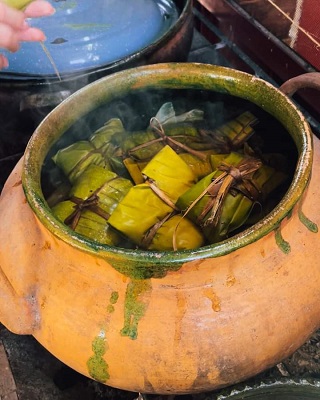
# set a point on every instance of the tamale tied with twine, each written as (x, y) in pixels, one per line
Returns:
(147, 213)
(92, 199)
(222, 201)
(177, 185)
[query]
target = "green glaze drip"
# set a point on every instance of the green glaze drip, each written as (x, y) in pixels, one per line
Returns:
(137, 270)
(99, 346)
(114, 297)
(313, 227)
(97, 366)
(282, 244)
(110, 309)
(289, 214)
(136, 303)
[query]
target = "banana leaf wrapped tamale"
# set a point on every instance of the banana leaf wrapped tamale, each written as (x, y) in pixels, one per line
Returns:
(92, 199)
(222, 201)
(134, 169)
(165, 161)
(200, 166)
(173, 233)
(169, 173)
(143, 145)
(166, 128)
(193, 144)
(74, 159)
(89, 224)
(232, 135)
(148, 204)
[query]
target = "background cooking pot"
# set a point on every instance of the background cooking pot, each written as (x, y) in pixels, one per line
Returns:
(284, 389)
(29, 89)
(164, 322)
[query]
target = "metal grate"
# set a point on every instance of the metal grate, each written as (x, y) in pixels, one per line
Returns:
(236, 55)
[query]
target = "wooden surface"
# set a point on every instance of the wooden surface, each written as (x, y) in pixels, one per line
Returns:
(7, 384)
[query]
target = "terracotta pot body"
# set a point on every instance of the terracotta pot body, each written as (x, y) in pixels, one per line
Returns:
(157, 322)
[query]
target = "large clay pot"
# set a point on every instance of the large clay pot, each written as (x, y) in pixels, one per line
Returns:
(157, 322)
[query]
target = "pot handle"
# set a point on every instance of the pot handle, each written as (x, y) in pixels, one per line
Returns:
(18, 307)
(15, 311)
(308, 80)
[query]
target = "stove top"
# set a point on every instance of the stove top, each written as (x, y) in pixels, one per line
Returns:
(40, 376)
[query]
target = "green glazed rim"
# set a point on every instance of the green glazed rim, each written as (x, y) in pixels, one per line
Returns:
(167, 76)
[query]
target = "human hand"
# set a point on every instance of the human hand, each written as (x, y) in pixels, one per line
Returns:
(15, 29)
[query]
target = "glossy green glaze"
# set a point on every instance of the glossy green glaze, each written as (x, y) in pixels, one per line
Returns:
(146, 264)
(282, 244)
(307, 222)
(98, 368)
(135, 305)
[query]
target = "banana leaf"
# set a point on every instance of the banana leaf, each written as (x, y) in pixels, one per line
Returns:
(140, 209)
(98, 182)
(167, 115)
(200, 166)
(222, 201)
(216, 160)
(139, 145)
(174, 233)
(92, 199)
(134, 169)
(167, 176)
(74, 159)
(169, 173)
(233, 134)
(144, 145)
(89, 225)
(101, 137)
(180, 133)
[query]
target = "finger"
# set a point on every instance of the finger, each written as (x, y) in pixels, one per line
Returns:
(11, 17)
(31, 35)
(3, 62)
(8, 38)
(39, 8)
